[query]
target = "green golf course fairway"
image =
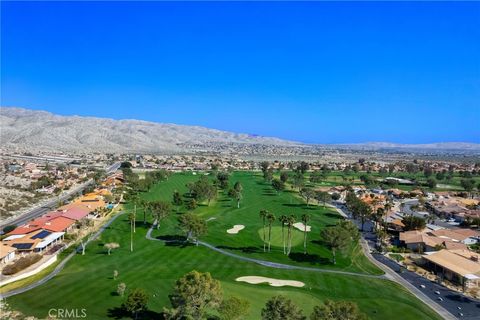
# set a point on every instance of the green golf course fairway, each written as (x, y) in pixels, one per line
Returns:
(87, 281)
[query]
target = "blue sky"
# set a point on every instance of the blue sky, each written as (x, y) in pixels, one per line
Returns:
(332, 72)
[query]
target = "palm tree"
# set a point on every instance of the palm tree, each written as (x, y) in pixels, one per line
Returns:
(283, 220)
(305, 219)
(263, 216)
(271, 219)
(131, 218)
(290, 223)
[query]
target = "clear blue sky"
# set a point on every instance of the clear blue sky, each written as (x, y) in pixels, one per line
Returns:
(314, 72)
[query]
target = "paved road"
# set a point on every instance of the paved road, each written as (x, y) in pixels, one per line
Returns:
(60, 266)
(268, 263)
(48, 206)
(453, 304)
(45, 207)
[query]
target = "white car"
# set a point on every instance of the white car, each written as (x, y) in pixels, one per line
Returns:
(422, 286)
(437, 292)
(440, 299)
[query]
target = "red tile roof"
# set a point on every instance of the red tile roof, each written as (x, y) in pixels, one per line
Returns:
(59, 224)
(74, 211)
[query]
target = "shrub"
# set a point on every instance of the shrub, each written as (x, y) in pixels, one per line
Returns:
(21, 264)
(9, 228)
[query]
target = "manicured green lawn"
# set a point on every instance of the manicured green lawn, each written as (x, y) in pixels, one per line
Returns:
(257, 195)
(87, 281)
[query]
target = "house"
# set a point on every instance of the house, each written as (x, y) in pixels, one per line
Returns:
(7, 253)
(74, 211)
(419, 241)
(49, 222)
(431, 240)
(466, 236)
(460, 266)
(37, 241)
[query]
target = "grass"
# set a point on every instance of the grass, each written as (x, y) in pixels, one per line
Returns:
(397, 257)
(87, 281)
(258, 195)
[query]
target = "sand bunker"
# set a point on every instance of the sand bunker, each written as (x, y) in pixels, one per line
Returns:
(272, 282)
(210, 219)
(236, 228)
(300, 226)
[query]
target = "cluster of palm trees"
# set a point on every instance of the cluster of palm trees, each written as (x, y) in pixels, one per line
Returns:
(287, 222)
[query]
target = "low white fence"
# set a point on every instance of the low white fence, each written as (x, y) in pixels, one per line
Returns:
(9, 279)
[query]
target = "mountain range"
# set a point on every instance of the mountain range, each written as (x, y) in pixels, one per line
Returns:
(32, 130)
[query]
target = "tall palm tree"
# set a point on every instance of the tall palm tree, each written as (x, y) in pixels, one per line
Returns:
(131, 218)
(263, 216)
(290, 223)
(305, 219)
(283, 220)
(271, 219)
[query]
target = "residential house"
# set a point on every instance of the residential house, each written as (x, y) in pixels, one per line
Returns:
(460, 266)
(7, 253)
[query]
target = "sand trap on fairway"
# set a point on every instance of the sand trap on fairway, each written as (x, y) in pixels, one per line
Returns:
(236, 228)
(300, 226)
(272, 282)
(210, 219)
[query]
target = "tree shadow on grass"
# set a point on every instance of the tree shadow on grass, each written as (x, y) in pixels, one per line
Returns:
(292, 205)
(120, 313)
(332, 215)
(175, 241)
(250, 249)
(270, 194)
(309, 258)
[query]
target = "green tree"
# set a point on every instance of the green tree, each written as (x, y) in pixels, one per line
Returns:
(467, 184)
(305, 219)
(290, 223)
(284, 177)
(337, 310)
(193, 226)
(136, 302)
(281, 308)
(177, 199)
(263, 215)
(222, 178)
(161, 210)
(278, 185)
(131, 219)
(194, 294)
(283, 220)
(234, 308)
(336, 238)
(191, 204)
(121, 289)
(270, 219)
(298, 180)
(413, 223)
(307, 194)
(431, 183)
(322, 196)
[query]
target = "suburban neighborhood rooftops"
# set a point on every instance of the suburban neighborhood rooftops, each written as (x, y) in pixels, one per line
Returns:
(456, 261)
(49, 239)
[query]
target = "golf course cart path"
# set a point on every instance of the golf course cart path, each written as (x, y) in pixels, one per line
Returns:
(268, 263)
(61, 264)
